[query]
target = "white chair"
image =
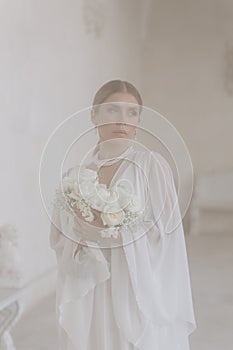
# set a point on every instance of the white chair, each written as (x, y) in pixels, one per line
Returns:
(10, 284)
(10, 312)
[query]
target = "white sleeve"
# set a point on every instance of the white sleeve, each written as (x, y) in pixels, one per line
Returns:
(173, 265)
(163, 195)
(160, 309)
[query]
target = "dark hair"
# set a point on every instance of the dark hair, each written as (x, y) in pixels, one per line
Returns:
(112, 87)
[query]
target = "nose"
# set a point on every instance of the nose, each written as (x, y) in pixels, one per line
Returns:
(122, 117)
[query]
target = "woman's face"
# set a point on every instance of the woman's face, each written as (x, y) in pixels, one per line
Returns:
(117, 117)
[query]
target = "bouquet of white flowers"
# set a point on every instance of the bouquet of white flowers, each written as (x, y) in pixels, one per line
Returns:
(118, 206)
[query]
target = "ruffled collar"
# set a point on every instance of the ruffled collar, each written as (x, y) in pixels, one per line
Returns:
(98, 161)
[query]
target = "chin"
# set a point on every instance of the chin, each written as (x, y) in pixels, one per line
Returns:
(116, 135)
(121, 135)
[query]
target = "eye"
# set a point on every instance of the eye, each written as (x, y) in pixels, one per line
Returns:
(112, 109)
(133, 113)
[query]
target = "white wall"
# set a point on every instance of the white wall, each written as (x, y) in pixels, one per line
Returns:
(186, 71)
(53, 60)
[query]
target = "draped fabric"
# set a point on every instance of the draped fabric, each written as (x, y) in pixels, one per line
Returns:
(135, 296)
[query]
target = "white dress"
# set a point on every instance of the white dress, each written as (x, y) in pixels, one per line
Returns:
(132, 297)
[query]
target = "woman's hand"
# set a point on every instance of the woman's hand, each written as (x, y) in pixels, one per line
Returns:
(97, 222)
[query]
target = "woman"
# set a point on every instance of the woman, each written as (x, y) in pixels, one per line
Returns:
(131, 291)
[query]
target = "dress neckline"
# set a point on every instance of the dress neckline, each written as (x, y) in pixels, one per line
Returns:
(95, 157)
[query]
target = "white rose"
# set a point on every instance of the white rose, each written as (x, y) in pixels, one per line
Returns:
(99, 197)
(113, 197)
(123, 185)
(124, 200)
(102, 196)
(67, 184)
(87, 189)
(124, 195)
(85, 174)
(112, 215)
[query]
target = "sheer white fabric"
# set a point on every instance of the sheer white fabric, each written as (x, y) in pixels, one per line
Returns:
(132, 297)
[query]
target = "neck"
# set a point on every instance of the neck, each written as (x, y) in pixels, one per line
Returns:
(112, 148)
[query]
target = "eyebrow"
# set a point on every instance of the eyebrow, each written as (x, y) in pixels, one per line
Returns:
(117, 105)
(113, 105)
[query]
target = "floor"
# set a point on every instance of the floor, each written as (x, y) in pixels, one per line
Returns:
(210, 260)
